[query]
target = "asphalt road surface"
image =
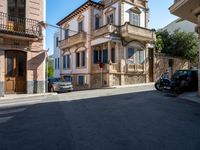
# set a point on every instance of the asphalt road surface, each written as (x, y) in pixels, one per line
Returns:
(110, 119)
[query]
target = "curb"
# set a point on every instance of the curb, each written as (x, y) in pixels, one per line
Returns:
(18, 96)
(134, 85)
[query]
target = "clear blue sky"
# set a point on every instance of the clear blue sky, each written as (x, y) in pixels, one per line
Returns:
(58, 9)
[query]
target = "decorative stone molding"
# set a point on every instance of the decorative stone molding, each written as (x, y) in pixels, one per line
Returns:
(135, 9)
(80, 18)
(110, 10)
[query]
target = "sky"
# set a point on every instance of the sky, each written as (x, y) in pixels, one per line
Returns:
(58, 9)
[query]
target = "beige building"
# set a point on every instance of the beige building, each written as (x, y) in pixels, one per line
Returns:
(188, 10)
(112, 34)
(22, 45)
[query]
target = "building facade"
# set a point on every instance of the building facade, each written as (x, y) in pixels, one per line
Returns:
(22, 46)
(181, 25)
(56, 55)
(106, 44)
(188, 10)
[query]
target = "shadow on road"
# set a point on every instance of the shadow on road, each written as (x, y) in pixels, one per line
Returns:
(134, 121)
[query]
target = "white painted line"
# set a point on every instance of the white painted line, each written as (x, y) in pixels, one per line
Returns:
(5, 119)
(11, 111)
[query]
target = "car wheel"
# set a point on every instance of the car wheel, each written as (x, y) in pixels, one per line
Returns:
(51, 89)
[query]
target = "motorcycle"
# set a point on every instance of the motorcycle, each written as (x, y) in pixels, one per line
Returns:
(163, 82)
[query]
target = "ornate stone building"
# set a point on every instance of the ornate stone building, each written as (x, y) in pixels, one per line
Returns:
(188, 10)
(106, 44)
(22, 44)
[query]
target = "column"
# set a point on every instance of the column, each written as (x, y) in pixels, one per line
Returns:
(146, 63)
(2, 73)
(109, 52)
(89, 48)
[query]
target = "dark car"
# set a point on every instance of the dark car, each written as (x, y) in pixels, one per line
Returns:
(59, 85)
(190, 78)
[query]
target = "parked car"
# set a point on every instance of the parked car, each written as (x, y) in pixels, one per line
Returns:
(59, 85)
(190, 78)
(182, 80)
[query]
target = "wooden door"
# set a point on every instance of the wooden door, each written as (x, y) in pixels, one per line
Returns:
(151, 64)
(10, 78)
(15, 76)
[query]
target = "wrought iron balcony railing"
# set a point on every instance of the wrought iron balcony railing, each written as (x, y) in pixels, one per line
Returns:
(19, 26)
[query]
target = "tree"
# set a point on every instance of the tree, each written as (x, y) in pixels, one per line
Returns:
(50, 67)
(180, 44)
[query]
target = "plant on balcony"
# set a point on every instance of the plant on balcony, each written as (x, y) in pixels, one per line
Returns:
(179, 44)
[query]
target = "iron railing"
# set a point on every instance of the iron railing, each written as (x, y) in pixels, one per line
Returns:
(19, 26)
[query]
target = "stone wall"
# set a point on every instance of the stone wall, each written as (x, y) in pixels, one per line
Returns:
(134, 78)
(96, 80)
(162, 63)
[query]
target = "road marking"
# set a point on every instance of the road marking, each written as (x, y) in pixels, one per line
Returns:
(5, 119)
(12, 111)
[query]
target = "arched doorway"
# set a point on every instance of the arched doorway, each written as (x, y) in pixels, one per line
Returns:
(15, 72)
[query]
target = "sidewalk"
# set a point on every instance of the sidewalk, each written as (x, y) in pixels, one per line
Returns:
(134, 85)
(190, 96)
(21, 98)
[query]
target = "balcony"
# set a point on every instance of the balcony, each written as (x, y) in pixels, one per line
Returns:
(73, 40)
(134, 68)
(18, 26)
(186, 9)
(104, 30)
(137, 33)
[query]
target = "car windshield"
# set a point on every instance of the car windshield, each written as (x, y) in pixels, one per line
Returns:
(181, 73)
(53, 80)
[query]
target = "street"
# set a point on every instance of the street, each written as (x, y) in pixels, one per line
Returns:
(131, 118)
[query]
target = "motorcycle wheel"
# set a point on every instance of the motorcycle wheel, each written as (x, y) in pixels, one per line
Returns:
(158, 87)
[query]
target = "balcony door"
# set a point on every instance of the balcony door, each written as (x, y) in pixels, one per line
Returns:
(16, 15)
(15, 72)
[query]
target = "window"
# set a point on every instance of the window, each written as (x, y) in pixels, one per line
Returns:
(81, 80)
(68, 78)
(16, 8)
(113, 55)
(83, 58)
(105, 56)
(68, 61)
(97, 56)
(135, 19)
(80, 26)
(130, 53)
(64, 62)
(140, 57)
(57, 40)
(110, 19)
(58, 62)
(55, 63)
(66, 33)
(97, 22)
(77, 59)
